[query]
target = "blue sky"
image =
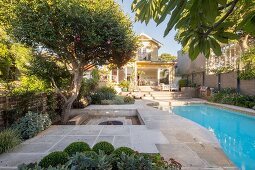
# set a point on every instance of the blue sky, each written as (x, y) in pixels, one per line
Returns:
(156, 32)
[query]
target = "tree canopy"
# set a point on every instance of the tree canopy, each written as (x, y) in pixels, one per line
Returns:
(77, 33)
(167, 57)
(203, 25)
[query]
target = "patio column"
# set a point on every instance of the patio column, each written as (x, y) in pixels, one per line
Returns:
(158, 76)
(117, 80)
(135, 75)
(170, 76)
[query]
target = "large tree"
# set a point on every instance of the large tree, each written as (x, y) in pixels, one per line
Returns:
(167, 57)
(202, 24)
(78, 32)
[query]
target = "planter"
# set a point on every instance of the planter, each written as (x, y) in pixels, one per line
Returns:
(190, 91)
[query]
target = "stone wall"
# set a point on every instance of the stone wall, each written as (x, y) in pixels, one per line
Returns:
(37, 103)
(227, 80)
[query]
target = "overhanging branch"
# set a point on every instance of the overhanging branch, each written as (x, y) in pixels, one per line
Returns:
(58, 90)
(231, 9)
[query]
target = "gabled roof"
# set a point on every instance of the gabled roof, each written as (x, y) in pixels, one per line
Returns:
(152, 39)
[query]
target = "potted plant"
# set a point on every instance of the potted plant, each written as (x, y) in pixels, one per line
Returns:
(124, 85)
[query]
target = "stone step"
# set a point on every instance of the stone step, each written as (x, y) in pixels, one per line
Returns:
(170, 97)
(174, 95)
(147, 98)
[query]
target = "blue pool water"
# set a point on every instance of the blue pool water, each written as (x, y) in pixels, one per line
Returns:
(234, 131)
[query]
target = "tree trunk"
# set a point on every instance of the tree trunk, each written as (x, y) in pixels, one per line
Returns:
(74, 92)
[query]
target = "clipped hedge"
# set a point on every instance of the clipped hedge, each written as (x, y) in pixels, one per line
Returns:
(106, 147)
(77, 147)
(54, 159)
(126, 150)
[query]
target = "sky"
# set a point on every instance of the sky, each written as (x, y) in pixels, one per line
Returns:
(156, 32)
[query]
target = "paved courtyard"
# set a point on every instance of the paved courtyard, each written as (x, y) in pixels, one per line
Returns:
(171, 135)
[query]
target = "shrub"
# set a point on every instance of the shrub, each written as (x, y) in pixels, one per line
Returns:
(229, 96)
(126, 150)
(9, 138)
(31, 124)
(106, 89)
(76, 147)
(54, 159)
(106, 147)
(103, 93)
(124, 84)
(183, 83)
(129, 100)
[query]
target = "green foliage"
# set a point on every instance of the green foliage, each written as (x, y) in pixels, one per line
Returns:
(13, 57)
(49, 69)
(248, 60)
(106, 89)
(106, 147)
(29, 84)
(121, 159)
(129, 100)
(90, 154)
(54, 105)
(54, 159)
(229, 96)
(103, 93)
(9, 138)
(124, 84)
(167, 57)
(134, 161)
(118, 152)
(118, 100)
(76, 147)
(202, 24)
(101, 161)
(183, 83)
(31, 124)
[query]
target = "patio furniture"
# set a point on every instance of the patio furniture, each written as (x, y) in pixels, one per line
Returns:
(174, 87)
(164, 87)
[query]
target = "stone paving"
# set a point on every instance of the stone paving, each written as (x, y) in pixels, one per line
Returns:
(171, 135)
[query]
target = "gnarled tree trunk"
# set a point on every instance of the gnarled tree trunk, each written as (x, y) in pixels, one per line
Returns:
(73, 94)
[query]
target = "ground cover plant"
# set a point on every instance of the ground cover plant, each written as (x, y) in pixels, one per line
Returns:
(122, 158)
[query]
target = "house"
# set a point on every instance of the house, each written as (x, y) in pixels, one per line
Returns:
(145, 68)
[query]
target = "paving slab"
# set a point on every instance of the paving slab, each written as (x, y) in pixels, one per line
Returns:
(120, 141)
(113, 130)
(60, 146)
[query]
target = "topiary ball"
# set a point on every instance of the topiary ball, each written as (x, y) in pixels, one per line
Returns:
(90, 154)
(54, 159)
(103, 146)
(77, 147)
(120, 150)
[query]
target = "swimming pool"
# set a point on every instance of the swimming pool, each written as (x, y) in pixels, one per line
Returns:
(234, 131)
